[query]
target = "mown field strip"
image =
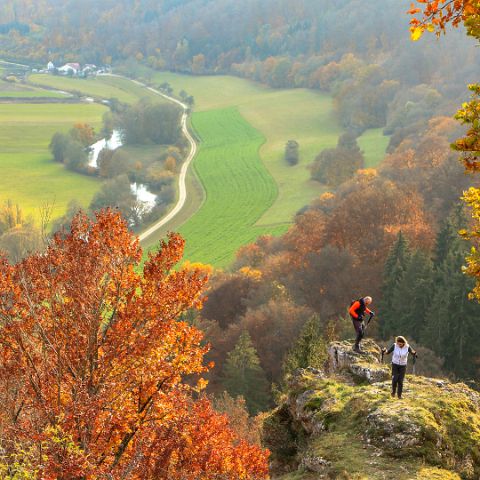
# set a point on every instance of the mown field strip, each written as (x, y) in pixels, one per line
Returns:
(239, 188)
(105, 87)
(13, 92)
(29, 175)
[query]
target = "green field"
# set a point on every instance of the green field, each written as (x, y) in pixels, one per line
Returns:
(244, 127)
(9, 90)
(374, 144)
(280, 115)
(99, 87)
(239, 188)
(29, 175)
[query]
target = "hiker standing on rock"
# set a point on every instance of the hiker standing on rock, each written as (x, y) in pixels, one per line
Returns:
(357, 311)
(400, 350)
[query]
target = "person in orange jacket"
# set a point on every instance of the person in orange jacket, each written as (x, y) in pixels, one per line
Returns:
(357, 311)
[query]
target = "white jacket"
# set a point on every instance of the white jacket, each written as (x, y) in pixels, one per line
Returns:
(400, 355)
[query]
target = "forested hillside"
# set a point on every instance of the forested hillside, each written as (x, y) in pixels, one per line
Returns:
(115, 363)
(357, 50)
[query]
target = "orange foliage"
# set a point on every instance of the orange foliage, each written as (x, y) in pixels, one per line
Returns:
(84, 133)
(436, 14)
(93, 360)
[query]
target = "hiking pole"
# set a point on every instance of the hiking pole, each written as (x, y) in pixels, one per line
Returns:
(414, 369)
(366, 325)
(383, 353)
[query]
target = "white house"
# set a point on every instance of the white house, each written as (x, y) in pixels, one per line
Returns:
(70, 69)
(50, 66)
(90, 67)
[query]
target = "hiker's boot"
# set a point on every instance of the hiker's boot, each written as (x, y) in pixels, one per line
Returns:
(392, 394)
(357, 349)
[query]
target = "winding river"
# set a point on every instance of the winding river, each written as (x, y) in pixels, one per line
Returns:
(140, 191)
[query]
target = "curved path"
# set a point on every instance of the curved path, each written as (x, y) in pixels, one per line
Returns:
(183, 172)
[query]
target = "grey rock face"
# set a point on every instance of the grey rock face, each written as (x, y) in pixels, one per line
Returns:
(366, 366)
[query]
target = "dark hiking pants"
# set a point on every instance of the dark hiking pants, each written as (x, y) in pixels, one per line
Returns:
(398, 374)
(359, 329)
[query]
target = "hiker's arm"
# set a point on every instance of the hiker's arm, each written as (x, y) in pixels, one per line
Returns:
(410, 350)
(353, 309)
(390, 350)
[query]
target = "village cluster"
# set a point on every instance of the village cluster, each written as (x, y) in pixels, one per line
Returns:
(73, 69)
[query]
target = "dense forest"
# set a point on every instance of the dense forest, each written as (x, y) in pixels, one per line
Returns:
(378, 77)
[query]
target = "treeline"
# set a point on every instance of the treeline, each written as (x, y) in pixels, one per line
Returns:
(377, 76)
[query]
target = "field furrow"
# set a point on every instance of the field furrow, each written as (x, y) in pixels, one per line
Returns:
(239, 188)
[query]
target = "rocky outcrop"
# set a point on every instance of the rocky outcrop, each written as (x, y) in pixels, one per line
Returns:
(343, 423)
(362, 366)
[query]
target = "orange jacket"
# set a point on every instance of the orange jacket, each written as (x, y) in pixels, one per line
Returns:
(355, 306)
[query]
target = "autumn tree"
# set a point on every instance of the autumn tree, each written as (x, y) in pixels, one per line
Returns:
(249, 428)
(334, 166)
(272, 327)
(83, 133)
(11, 216)
(94, 363)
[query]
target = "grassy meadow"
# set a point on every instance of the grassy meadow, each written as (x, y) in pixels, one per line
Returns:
(9, 90)
(29, 175)
(374, 144)
(99, 87)
(239, 188)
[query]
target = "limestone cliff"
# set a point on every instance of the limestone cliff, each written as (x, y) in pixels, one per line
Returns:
(341, 422)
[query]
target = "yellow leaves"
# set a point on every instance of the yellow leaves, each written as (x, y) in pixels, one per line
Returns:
(204, 268)
(201, 385)
(252, 273)
(416, 33)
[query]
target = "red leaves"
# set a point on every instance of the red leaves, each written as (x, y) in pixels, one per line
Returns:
(92, 355)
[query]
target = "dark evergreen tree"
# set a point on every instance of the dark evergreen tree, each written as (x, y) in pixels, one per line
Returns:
(451, 328)
(412, 296)
(448, 234)
(291, 152)
(309, 350)
(394, 270)
(243, 375)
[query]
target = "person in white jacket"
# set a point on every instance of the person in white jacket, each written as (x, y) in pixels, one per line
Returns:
(400, 350)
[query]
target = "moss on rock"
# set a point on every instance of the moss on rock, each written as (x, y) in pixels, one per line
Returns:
(357, 431)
